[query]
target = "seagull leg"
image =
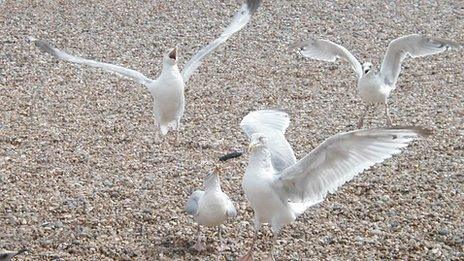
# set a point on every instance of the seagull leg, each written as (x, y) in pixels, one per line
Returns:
(275, 234)
(249, 255)
(361, 118)
(387, 114)
(199, 245)
(221, 243)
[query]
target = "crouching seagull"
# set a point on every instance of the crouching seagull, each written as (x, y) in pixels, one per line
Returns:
(375, 87)
(279, 188)
(168, 89)
(210, 207)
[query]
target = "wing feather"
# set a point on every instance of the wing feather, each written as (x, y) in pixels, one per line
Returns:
(273, 125)
(231, 211)
(240, 19)
(414, 45)
(340, 158)
(327, 51)
(134, 75)
(192, 204)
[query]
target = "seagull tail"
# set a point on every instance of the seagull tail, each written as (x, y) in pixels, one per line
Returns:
(166, 127)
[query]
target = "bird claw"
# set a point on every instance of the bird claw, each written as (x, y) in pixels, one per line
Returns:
(247, 257)
(269, 258)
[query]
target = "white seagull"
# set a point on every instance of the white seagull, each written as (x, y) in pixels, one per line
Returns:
(8, 255)
(168, 89)
(279, 188)
(210, 208)
(375, 87)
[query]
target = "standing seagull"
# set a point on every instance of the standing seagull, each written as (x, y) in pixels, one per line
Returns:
(168, 89)
(375, 87)
(8, 255)
(278, 197)
(210, 208)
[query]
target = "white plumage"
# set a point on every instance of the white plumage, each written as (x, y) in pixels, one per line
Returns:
(211, 207)
(279, 196)
(375, 87)
(168, 89)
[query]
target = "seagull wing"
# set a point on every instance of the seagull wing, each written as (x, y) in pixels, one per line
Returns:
(340, 158)
(327, 51)
(241, 18)
(415, 45)
(192, 203)
(272, 124)
(134, 75)
(231, 211)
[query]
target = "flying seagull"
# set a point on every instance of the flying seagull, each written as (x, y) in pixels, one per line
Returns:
(168, 89)
(210, 207)
(8, 255)
(280, 189)
(375, 87)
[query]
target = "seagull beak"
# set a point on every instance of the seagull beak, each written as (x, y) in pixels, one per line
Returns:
(173, 53)
(252, 146)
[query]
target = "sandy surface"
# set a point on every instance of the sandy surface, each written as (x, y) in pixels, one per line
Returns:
(82, 178)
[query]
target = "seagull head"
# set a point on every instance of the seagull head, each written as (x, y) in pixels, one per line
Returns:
(366, 67)
(258, 140)
(212, 180)
(170, 57)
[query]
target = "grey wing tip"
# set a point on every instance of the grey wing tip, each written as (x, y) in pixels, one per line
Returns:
(46, 47)
(444, 43)
(22, 251)
(421, 131)
(252, 5)
(300, 44)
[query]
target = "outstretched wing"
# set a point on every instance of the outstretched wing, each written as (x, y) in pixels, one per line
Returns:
(241, 18)
(272, 124)
(192, 204)
(415, 45)
(340, 158)
(327, 51)
(134, 75)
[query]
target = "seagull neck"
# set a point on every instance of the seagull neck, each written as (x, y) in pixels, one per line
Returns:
(261, 157)
(213, 183)
(170, 68)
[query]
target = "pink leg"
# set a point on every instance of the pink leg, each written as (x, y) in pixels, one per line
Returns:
(361, 118)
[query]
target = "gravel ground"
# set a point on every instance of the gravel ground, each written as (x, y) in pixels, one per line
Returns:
(82, 178)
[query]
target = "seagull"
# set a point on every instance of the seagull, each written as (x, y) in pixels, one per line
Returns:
(8, 255)
(210, 208)
(168, 89)
(280, 189)
(375, 87)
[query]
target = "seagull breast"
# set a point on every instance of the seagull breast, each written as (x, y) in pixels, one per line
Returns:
(372, 89)
(265, 201)
(212, 208)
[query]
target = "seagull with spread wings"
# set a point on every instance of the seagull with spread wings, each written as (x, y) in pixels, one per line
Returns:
(168, 89)
(211, 207)
(375, 87)
(280, 188)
